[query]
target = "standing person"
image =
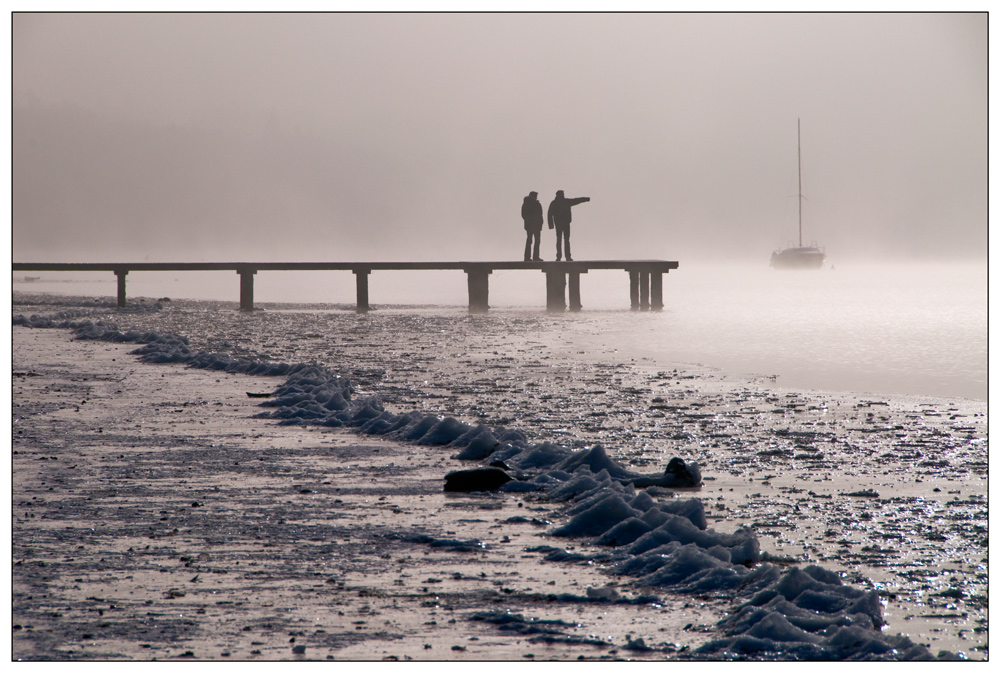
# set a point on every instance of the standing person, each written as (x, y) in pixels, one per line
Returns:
(559, 219)
(531, 213)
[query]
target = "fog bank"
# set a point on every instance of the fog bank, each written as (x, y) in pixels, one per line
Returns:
(279, 137)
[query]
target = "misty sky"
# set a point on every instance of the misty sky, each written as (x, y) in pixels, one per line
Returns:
(349, 137)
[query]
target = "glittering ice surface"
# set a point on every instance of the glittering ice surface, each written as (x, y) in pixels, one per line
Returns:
(831, 526)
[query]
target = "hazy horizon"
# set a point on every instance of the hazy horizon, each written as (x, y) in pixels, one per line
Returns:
(302, 137)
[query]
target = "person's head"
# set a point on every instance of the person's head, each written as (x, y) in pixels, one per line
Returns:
(532, 195)
(559, 194)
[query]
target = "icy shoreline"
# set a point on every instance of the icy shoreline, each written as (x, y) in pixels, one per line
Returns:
(769, 625)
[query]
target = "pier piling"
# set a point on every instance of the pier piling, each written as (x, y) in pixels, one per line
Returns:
(656, 291)
(362, 286)
(555, 291)
(479, 289)
(246, 288)
(120, 276)
(646, 290)
(574, 290)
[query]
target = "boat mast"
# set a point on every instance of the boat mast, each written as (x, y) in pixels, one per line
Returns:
(799, 121)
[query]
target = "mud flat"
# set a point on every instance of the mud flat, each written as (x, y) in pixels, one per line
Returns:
(154, 516)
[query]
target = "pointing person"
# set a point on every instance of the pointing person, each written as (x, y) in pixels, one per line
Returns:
(559, 219)
(531, 213)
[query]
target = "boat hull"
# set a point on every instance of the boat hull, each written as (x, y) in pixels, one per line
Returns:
(798, 258)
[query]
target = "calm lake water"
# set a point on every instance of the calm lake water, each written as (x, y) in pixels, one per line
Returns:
(896, 329)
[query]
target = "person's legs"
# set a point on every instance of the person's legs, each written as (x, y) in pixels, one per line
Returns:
(538, 242)
(569, 257)
(527, 248)
(559, 235)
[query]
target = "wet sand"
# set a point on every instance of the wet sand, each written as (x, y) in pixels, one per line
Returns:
(154, 517)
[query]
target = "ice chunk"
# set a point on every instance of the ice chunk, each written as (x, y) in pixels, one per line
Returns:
(520, 487)
(647, 562)
(418, 429)
(575, 486)
(606, 593)
(680, 566)
(624, 532)
(597, 519)
(774, 626)
(643, 501)
(445, 431)
(466, 437)
(541, 455)
(480, 447)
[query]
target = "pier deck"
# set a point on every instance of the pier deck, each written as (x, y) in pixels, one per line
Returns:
(645, 276)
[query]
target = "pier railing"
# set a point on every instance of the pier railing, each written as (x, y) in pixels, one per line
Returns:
(645, 277)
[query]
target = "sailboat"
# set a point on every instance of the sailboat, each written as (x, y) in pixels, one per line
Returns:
(802, 257)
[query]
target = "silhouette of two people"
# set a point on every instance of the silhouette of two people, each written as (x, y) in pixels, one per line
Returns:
(559, 216)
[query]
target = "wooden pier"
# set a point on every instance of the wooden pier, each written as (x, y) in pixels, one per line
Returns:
(645, 277)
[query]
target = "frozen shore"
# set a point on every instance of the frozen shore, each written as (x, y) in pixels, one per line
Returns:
(154, 517)
(219, 534)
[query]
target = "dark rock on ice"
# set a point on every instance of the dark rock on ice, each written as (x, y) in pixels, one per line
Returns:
(480, 479)
(508, 621)
(677, 475)
(866, 493)
(450, 544)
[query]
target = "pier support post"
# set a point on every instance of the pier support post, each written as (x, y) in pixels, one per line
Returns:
(120, 274)
(362, 282)
(479, 289)
(574, 290)
(639, 289)
(633, 287)
(246, 288)
(656, 290)
(555, 291)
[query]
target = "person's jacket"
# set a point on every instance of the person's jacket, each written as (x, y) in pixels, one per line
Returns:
(559, 210)
(531, 213)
